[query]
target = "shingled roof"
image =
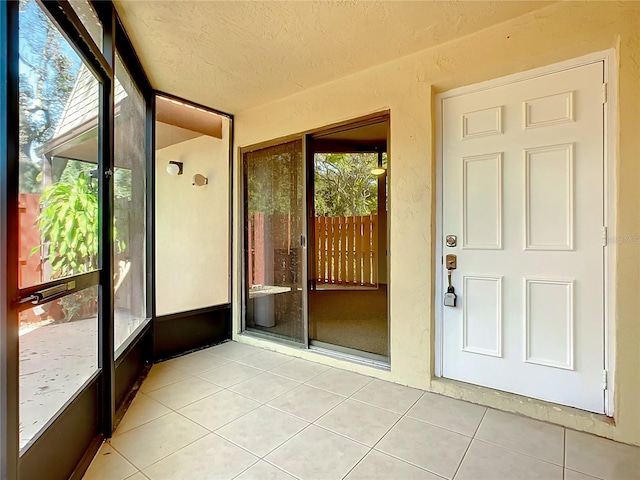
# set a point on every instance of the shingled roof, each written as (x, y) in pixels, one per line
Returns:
(78, 123)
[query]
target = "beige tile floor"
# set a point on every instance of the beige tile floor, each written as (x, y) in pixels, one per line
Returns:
(240, 412)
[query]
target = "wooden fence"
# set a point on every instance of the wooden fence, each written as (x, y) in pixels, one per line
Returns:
(256, 260)
(346, 250)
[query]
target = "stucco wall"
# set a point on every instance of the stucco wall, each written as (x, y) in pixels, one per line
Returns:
(407, 87)
(192, 226)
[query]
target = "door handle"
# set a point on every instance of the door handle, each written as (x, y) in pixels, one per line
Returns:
(450, 298)
(451, 262)
(47, 293)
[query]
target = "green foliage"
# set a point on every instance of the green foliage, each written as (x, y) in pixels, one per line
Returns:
(344, 185)
(81, 304)
(274, 179)
(70, 170)
(68, 223)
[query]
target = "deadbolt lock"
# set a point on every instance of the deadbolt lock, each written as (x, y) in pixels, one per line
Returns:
(451, 240)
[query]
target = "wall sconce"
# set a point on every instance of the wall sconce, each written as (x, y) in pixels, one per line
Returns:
(174, 168)
(378, 171)
(200, 180)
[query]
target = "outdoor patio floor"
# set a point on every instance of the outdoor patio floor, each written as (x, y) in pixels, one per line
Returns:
(55, 362)
(240, 412)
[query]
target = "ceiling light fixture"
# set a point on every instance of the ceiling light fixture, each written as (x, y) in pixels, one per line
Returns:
(378, 171)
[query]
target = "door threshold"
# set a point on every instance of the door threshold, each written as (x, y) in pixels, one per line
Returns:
(272, 337)
(542, 410)
(350, 354)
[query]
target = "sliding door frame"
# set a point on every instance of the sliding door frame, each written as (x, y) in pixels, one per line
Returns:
(307, 151)
(382, 117)
(304, 240)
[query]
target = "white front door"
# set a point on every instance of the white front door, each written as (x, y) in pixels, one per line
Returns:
(523, 194)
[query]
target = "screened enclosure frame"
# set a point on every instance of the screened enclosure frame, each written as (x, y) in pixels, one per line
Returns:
(101, 62)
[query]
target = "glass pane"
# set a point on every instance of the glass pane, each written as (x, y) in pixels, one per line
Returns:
(192, 221)
(274, 202)
(58, 354)
(89, 19)
(59, 101)
(348, 298)
(130, 209)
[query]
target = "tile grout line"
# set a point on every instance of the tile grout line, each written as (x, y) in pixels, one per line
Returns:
(142, 424)
(194, 401)
(489, 442)
(517, 452)
(159, 460)
(371, 379)
(264, 457)
(209, 432)
(260, 401)
(236, 445)
(403, 415)
(250, 466)
(442, 428)
(344, 436)
(262, 404)
(230, 421)
(343, 399)
(386, 409)
(243, 471)
(281, 468)
(409, 462)
(475, 432)
(473, 438)
(564, 453)
(357, 463)
(295, 380)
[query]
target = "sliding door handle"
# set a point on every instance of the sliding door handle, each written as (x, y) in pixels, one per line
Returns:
(47, 293)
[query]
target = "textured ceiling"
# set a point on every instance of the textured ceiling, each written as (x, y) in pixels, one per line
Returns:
(233, 55)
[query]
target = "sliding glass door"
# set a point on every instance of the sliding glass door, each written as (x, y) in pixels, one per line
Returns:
(275, 241)
(348, 294)
(315, 239)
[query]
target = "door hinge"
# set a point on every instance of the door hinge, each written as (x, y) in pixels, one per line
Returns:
(604, 236)
(605, 93)
(605, 383)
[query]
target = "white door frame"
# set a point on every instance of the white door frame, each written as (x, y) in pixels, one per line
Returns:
(610, 156)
